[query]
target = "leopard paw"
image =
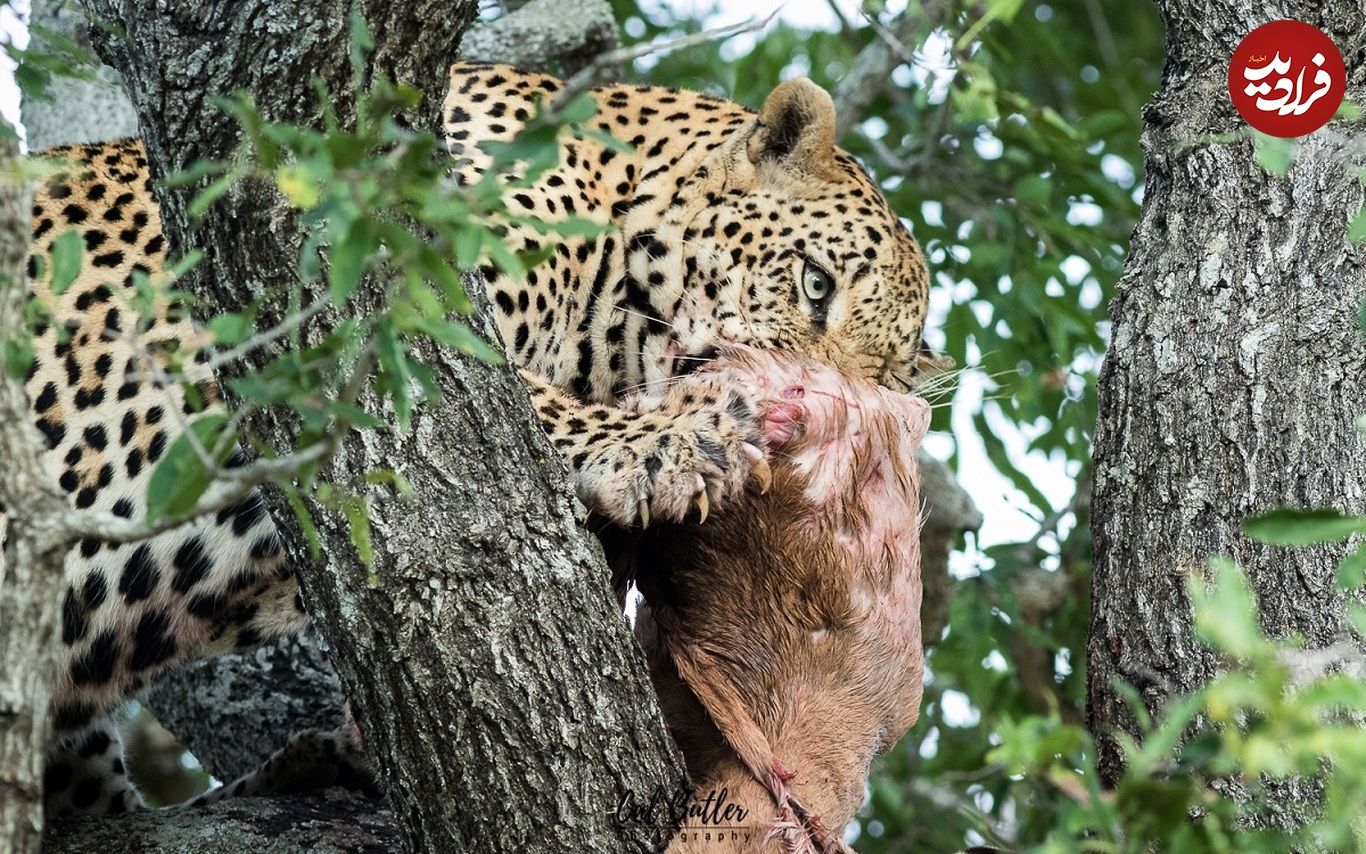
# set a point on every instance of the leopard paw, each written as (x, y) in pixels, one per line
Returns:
(693, 451)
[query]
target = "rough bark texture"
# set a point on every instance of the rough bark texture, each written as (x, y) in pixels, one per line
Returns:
(1234, 376)
(332, 823)
(489, 668)
(31, 577)
(79, 110)
(543, 33)
(232, 712)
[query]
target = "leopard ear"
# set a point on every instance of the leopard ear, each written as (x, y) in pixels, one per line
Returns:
(796, 129)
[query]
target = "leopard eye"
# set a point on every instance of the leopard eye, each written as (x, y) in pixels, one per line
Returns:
(816, 283)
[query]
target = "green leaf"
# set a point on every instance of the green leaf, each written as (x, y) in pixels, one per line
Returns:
(997, 10)
(1288, 526)
(1356, 229)
(306, 524)
(211, 194)
(358, 519)
(1273, 153)
(396, 372)
(606, 140)
(468, 242)
(1351, 570)
(1356, 615)
(180, 478)
(347, 260)
(298, 184)
(66, 261)
(460, 337)
(195, 173)
(1032, 189)
(975, 102)
(18, 357)
(231, 328)
(582, 108)
(1226, 611)
(534, 258)
(537, 147)
(401, 484)
(1105, 123)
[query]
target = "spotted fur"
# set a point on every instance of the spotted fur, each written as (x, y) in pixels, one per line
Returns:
(717, 215)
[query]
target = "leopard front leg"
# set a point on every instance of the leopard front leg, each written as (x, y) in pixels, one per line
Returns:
(696, 449)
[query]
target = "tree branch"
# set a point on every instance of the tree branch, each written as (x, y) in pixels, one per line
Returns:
(543, 32)
(333, 823)
(871, 69)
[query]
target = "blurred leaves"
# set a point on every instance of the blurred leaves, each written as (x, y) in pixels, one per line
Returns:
(1288, 526)
(1276, 714)
(382, 217)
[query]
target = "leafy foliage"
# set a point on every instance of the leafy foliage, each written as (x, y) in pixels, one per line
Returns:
(1278, 713)
(1008, 141)
(383, 218)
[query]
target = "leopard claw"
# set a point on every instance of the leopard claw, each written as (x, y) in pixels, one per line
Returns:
(759, 466)
(643, 508)
(700, 500)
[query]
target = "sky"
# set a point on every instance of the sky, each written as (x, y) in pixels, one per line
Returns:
(1002, 506)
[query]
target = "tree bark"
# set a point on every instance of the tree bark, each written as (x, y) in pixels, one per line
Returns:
(543, 33)
(491, 672)
(233, 711)
(333, 823)
(79, 110)
(31, 573)
(1234, 377)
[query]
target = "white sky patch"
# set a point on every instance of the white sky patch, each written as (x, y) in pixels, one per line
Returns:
(1084, 212)
(1075, 268)
(933, 213)
(1090, 294)
(1117, 169)
(874, 127)
(958, 710)
(988, 146)
(929, 745)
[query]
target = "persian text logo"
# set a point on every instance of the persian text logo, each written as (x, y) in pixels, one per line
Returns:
(1287, 78)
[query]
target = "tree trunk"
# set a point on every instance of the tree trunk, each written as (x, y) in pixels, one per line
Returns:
(233, 711)
(492, 675)
(1234, 377)
(31, 573)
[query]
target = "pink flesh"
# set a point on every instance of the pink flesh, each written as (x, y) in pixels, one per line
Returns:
(852, 442)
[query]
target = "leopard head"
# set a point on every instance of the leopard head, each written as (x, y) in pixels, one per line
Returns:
(785, 242)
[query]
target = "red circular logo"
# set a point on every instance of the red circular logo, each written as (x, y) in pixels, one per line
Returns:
(1287, 78)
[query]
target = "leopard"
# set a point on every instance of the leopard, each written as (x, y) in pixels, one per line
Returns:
(721, 227)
